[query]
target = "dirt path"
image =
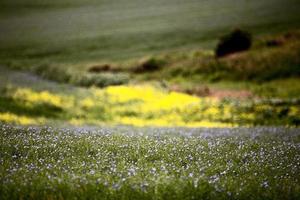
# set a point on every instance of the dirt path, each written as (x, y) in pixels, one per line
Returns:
(204, 91)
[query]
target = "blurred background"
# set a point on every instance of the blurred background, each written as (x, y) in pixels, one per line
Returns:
(194, 63)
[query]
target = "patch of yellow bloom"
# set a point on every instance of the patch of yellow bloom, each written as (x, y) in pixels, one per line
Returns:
(161, 122)
(294, 111)
(171, 101)
(87, 103)
(210, 124)
(137, 105)
(76, 122)
(152, 98)
(123, 94)
(145, 105)
(23, 120)
(41, 97)
(212, 111)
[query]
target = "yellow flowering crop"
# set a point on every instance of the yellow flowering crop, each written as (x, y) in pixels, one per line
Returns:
(23, 120)
(141, 105)
(145, 105)
(41, 97)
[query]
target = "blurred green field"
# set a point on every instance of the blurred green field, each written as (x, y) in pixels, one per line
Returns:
(71, 32)
(62, 40)
(30, 100)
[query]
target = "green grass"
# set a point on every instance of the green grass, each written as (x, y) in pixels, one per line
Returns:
(261, 63)
(20, 108)
(69, 32)
(127, 163)
(259, 70)
(61, 40)
(270, 72)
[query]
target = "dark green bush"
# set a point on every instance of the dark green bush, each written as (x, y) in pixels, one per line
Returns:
(149, 65)
(99, 68)
(236, 41)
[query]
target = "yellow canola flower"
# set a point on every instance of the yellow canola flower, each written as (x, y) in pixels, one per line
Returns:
(173, 100)
(138, 105)
(76, 122)
(123, 94)
(152, 99)
(209, 124)
(161, 122)
(212, 111)
(23, 120)
(140, 122)
(227, 112)
(87, 103)
(145, 105)
(294, 110)
(248, 116)
(42, 97)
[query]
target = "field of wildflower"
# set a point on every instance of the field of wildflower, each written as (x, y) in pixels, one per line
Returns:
(143, 141)
(149, 163)
(130, 100)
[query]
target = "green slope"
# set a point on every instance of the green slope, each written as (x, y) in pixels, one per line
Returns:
(76, 31)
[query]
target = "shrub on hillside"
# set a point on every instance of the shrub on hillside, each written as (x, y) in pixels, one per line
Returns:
(63, 75)
(236, 41)
(53, 72)
(99, 68)
(100, 80)
(149, 65)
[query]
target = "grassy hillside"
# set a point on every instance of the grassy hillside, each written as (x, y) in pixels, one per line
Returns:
(262, 65)
(68, 32)
(257, 87)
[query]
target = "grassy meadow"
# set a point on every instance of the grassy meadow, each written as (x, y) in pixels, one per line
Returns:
(126, 99)
(127, 163)
(78, 33)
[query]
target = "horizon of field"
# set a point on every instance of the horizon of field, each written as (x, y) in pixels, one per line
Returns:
(76, 31)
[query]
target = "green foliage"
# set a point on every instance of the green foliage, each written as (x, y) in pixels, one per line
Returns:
(63, 75)
(282, 88)
(20, 108)
(100, 80)
(55, 73)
